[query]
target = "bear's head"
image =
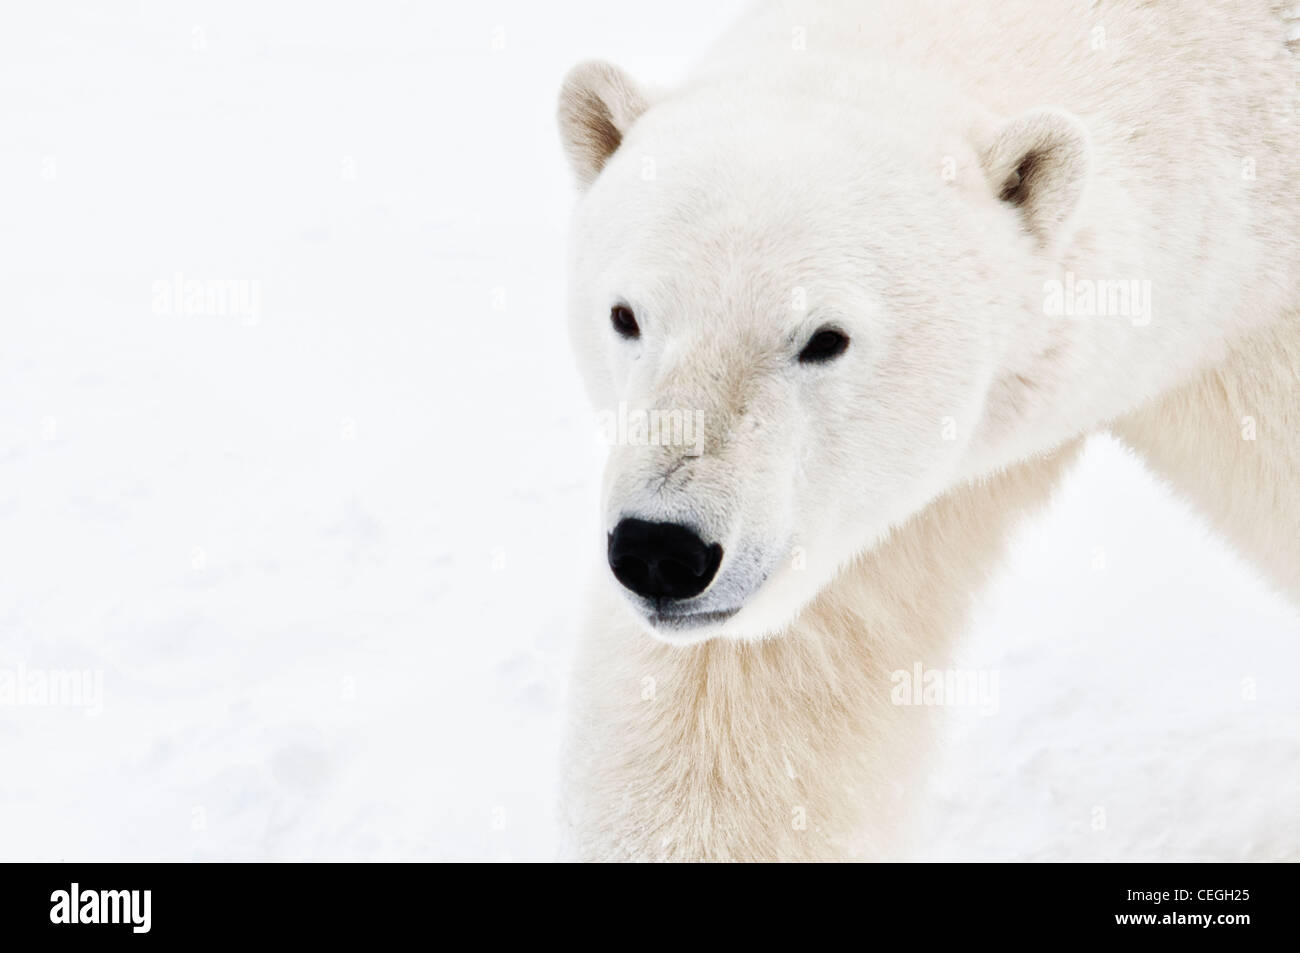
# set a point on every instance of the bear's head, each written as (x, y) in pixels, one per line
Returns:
(801, 321)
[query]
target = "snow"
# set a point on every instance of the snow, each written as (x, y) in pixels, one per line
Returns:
(326, 552)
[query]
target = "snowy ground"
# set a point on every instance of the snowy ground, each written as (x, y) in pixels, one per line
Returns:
(323, 549)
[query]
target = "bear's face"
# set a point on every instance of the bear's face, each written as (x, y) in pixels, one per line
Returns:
(790, 331)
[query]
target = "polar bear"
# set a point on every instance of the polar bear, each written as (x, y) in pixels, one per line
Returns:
(900, 257)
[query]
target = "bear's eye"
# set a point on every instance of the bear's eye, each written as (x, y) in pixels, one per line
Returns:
(624, 321)
(826, 345)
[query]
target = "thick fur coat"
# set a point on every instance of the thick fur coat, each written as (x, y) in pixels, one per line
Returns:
(1031, 221)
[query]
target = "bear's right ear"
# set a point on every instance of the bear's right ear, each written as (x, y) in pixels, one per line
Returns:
(1040, 162)
(598, 104)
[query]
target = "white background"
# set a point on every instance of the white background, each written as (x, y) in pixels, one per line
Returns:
(328, 561)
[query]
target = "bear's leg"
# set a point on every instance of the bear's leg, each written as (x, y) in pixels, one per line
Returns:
(797, 747)
(1230, 442)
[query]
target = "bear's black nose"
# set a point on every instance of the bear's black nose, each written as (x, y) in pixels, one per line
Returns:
(661, 560)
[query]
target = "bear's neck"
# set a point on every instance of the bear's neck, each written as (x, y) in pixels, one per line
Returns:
(799, 745)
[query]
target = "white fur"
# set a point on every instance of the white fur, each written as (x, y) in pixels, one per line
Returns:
(917, 174)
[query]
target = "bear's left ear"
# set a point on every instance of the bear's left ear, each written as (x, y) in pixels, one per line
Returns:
(1040, 162)
(598, 104)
